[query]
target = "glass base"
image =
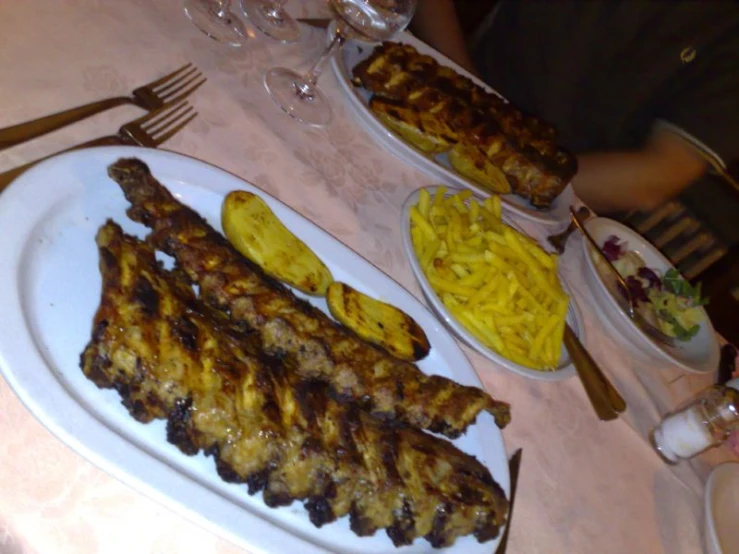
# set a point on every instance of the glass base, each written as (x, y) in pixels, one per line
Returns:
(659, 450)
(274, 22)
(291, 93)
(220, 25)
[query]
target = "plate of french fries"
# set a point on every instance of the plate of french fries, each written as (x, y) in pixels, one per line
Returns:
(493, 286)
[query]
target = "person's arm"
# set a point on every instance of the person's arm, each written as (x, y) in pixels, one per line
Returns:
(436, 23)
(640, 180)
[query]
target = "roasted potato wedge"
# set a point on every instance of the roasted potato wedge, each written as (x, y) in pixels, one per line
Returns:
(472, 162)
(257, 233)
(424, 130)
(378, 323)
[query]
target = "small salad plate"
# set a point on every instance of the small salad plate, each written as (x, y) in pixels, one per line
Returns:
(658, 282)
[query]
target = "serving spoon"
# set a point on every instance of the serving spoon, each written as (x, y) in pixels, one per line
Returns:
(631, 311)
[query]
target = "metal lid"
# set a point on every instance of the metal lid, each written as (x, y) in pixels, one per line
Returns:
(733, 383)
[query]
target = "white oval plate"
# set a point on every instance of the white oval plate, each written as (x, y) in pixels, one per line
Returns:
(564, 370)
(51, 289)
(698, 355)
(355, 51)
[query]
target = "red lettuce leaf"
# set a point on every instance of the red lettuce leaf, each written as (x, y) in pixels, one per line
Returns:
(636, 290)
(649, 275)
(612, 248)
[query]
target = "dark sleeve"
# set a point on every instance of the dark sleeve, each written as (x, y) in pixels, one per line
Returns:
(704, 102)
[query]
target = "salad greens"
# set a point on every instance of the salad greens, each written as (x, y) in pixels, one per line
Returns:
(669, 302)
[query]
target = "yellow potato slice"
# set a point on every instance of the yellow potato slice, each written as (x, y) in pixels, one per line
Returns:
(424, 130)
(257, 233)
(472, 162)
(378, 323)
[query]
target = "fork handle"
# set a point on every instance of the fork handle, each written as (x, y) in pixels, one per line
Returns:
(22, 132)
(10, 175)
(558, 241)
(596, 384)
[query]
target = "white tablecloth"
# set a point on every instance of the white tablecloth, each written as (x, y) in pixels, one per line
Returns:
(585, 486)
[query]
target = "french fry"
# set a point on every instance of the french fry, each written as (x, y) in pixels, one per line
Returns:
(447, 285)
(430, 250)
(498, 283)
(557, 337)
(422, 224)
(459, 271)
(544, 331)
(474, 279)
(416, 238)
(424, 203)
(486, 290)
(459, 204)
(492, 203)
(439, 198)
(474, 211)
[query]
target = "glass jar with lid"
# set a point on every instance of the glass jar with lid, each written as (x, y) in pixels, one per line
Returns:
(703, 423)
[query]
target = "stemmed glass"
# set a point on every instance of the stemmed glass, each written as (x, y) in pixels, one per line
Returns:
(215, 19)
(368, 20)
(270, 17)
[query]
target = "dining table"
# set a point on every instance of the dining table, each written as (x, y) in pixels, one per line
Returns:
(585, 485)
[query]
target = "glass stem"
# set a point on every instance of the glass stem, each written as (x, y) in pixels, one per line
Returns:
(274, 10)
(305, 89)
(224, 9)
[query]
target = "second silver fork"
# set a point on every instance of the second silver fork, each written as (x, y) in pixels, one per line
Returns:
(150, 130)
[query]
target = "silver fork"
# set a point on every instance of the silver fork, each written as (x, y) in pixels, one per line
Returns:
(150, 130)
(173, 87)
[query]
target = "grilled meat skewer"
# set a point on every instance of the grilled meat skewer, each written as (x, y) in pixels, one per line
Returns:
(169, 356)
(428, 103)
(318, 347)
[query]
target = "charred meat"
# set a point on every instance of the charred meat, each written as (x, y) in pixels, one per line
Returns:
(172, 357)
(427, 103)
(317, 347)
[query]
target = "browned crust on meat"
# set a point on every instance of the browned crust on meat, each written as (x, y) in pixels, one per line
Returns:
(526, 149)
(317, 347)
(171, 357)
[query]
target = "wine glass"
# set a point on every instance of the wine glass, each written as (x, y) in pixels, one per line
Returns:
(369, 20)
(270, 17)
(215, 19)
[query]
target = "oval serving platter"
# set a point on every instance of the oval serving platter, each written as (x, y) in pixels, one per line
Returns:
(51, 289)
(438, 167)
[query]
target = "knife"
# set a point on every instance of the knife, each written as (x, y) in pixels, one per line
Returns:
(514, 464)
(317, 22)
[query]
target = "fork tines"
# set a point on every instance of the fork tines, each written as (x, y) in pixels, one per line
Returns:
(161, 124)
(183, 86)
(162, 80)
(174, 86)
(169, 121)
